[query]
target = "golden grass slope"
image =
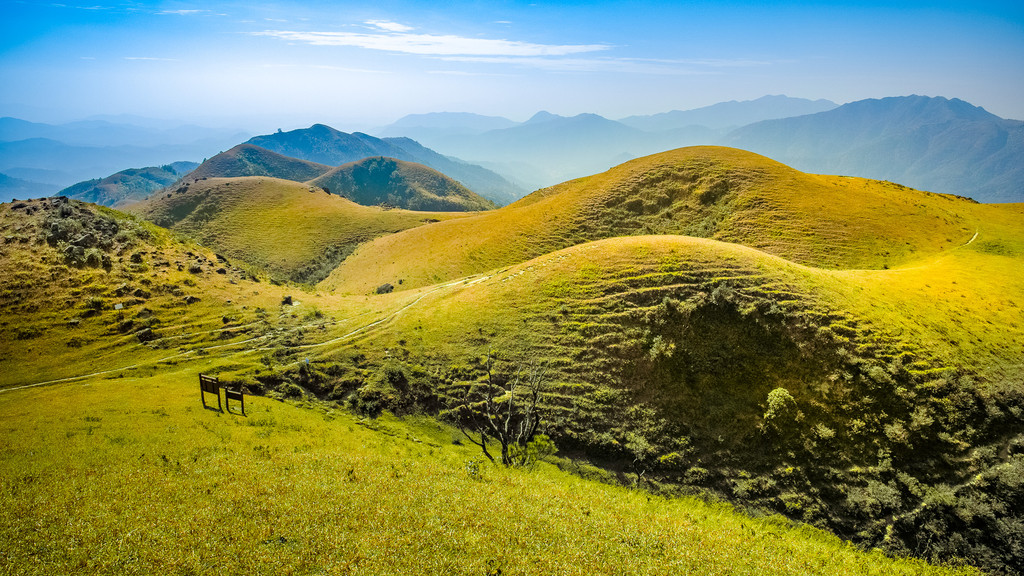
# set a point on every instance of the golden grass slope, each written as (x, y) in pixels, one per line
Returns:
(721, 193)
(293, 231)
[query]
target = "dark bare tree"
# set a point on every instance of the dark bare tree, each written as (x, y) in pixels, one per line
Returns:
(505, 412)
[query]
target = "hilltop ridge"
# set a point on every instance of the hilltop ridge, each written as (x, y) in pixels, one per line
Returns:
(711, 192)
(325, 145)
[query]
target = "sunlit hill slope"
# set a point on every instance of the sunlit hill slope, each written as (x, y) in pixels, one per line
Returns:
(293, 231)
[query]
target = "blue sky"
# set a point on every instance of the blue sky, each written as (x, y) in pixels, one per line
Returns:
(290, 63)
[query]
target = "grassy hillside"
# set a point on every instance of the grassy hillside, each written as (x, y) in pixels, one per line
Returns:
(249, 160)
(128, 186)
(719, 193)
(108, 457)
(85, 289)
(408, 185)
(293, 231)
(883, 405)
(855, 366)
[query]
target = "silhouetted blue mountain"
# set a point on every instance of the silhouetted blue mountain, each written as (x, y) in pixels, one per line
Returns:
(11, 188)
(933, 144)
(730, 114)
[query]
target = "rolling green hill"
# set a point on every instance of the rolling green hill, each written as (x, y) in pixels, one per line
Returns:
(320, 143)
(292, 231)
(408, 185)
(710, 192)
(844, 352)
(249, 160)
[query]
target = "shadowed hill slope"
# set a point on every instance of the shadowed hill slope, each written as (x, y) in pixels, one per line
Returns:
(293, 231)
(323, 144)
(128, 186)
(710, 192)
(249, 160)
(408, 185)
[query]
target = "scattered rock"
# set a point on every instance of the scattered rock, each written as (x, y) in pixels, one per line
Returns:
(145, 335)
(191, 299)
(286, 301)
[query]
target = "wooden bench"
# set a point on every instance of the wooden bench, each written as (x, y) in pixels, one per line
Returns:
(230, 395)
(211, 385)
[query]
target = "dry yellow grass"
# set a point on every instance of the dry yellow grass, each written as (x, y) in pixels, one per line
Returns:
(720, 193)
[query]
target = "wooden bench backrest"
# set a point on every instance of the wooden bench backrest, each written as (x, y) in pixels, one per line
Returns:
(209, 384)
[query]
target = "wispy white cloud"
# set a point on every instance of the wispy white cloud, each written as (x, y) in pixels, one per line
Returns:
(431, 44)
(150, 59)
(389, 26)
(183, 12)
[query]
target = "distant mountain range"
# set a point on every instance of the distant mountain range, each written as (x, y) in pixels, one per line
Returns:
(65, 154)
(930, 143)
(732, 114)
(548, 148)
(935, 144)
(11, 188)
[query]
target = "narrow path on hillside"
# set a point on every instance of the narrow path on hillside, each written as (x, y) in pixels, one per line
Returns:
(361, 329)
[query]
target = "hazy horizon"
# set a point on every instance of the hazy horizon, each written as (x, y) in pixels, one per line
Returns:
(288, 64)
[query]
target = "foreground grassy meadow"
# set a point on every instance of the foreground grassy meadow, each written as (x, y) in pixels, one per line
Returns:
(132, 476)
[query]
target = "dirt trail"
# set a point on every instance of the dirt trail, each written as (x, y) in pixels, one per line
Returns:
(361, 329)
